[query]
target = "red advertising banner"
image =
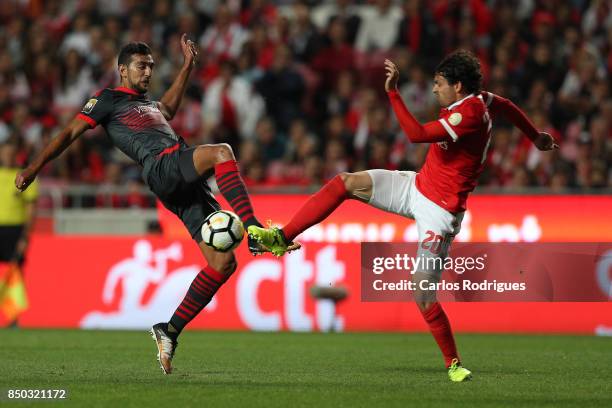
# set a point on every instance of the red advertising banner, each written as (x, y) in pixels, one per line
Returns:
(488, 219)
(123, 282)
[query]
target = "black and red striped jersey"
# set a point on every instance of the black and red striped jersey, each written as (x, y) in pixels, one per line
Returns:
(133, 122)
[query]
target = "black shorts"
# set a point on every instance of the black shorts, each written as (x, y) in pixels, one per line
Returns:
(9, 236)
(174, 180)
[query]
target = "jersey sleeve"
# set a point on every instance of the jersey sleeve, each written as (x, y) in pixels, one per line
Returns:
(503, 107)
(462, 122)
(97, 109)
(431, 132)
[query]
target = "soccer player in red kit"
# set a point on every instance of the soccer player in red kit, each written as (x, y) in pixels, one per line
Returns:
(436, 196)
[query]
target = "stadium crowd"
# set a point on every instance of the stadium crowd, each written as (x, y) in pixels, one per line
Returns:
(297, 87)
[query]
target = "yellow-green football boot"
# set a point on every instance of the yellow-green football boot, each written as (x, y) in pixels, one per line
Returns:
(272, 239)
(458, 373)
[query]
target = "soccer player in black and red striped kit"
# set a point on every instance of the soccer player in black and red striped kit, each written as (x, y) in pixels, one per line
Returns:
(175, 172)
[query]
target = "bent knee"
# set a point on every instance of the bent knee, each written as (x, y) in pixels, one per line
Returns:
(225, 150)
(344, 176)
(357, 185)
(217, 153)
(349, 180)
(224, 153)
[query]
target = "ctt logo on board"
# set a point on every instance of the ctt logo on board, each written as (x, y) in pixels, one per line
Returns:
(144, 289)
(325, 270)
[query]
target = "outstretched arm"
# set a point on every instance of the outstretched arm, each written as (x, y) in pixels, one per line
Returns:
(57, 145)
(170, 102)
(430, 132)
(506, 108)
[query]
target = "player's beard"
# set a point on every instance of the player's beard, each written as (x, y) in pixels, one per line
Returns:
(141, 89)
(138, 86)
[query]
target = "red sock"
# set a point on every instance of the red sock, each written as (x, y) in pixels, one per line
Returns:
(317, 208)
(441, 330)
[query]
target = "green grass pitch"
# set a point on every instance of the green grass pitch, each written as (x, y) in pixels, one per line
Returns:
(225, 369)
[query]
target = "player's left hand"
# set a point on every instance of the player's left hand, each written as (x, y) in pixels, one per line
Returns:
(25, 178)
(392, 76)
(545, 142)
(190, 51)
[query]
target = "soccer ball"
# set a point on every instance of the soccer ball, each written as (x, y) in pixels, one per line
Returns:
(222, 231)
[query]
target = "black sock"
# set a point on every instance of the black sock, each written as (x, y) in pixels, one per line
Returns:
(234, 191)
(201, 291)
(172, 331)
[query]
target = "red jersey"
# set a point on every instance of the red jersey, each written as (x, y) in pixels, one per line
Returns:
(452, 167)
(460, 140)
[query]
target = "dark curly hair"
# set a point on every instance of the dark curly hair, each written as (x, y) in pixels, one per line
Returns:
(461, 66)
(125, 55)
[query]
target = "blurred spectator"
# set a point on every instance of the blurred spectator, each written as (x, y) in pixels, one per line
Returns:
(13, 79)
(600, 131)
(336, 160)
(336, 130)
(418, 32)
(107, 191)
(270, 144)
(255, 174)
(342, 11)
(417, 94)
(520, 179)
(358, 117)
(379, 139)
(461, 17)
(247, 65)
(259, 12)
(225, 37)
(139, 28)
(540, 66)
(379, 27)
(163, 24)
(304, 39)
(188, 120)
(262, 46)
(231, 109)
(78, 38)
(313, 172)
(105, 71)
(575, 95)
(295, 171)
(297, 134)
(341, 97)
(597, 20)
(282, 87)
(336, 56)
(75, 83)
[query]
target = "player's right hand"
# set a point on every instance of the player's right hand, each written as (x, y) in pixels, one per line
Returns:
(392, 75)
(190, 51)
(546, 142)
(24, 179)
